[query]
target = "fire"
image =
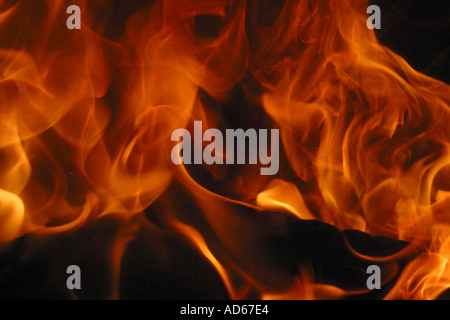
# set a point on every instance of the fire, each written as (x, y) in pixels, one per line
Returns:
(11, 215)
(87, 117)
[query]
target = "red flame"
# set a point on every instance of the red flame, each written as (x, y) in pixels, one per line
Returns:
(87, 116)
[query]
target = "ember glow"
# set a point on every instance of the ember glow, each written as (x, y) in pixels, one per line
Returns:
(87, 117)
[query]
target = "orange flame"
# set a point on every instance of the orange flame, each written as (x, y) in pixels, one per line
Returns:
(86, 119)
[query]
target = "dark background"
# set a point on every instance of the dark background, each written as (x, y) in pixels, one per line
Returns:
(419, 31)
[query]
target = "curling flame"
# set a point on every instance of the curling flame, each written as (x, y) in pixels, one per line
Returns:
(86, 119)
(307, 290)
(283, 196)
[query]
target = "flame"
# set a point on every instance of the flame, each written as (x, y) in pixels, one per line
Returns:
(87, 115)
(283, 196)
(11, 215)
(307, 290)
